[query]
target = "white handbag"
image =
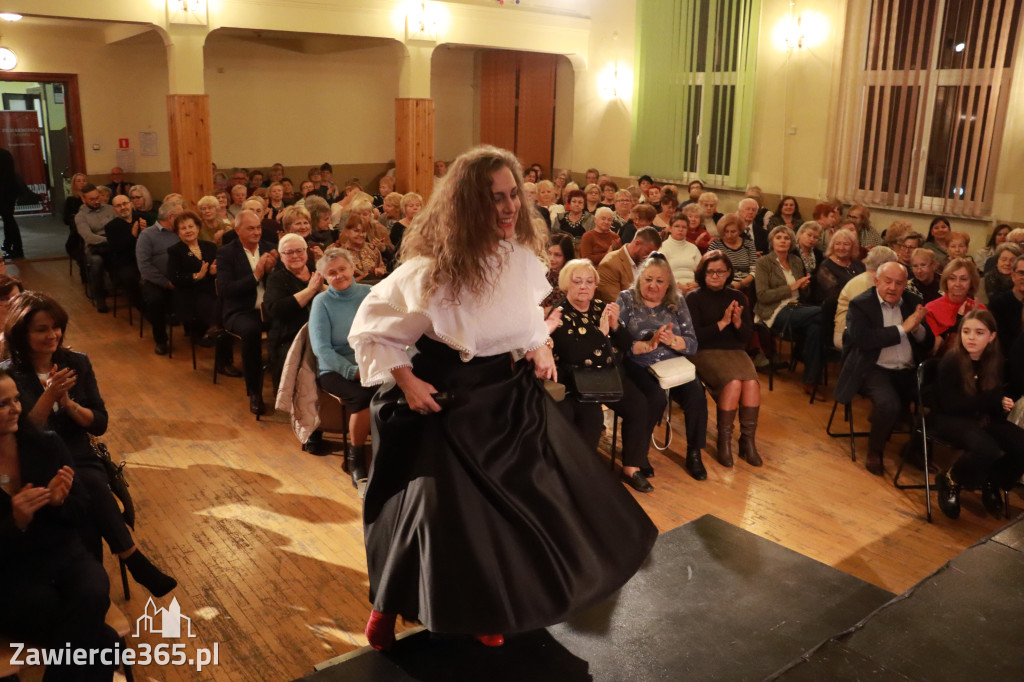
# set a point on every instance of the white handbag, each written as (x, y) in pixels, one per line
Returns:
(673, 372)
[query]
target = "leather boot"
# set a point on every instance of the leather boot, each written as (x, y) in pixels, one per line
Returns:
(355, 464)
(725, 427)
(149, 576)
(748, 427)
(694, 465)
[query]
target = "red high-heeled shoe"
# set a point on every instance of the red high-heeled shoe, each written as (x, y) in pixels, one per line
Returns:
(491, 640)
(380, 630)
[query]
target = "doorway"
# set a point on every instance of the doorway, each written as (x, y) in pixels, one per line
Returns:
(41, 124)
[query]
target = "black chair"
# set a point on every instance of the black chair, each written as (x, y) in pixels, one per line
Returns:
(848, 416)
(771, 340)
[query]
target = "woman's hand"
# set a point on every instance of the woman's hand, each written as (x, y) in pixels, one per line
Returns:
(553, 320)
(609, 318)
(59, 382)
(1007, 404)
(726, 316)
(203, 269)
(213, 268)
(543, 363)
(800, 283)
(737, 314)
(60, 485)
(316, 283)
(418, 393)
(317, 252)
(26, 503)
(688, 287)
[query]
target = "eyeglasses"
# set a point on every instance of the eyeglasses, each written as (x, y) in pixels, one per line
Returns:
(293, 252)
(717, 273)
(1019, 272)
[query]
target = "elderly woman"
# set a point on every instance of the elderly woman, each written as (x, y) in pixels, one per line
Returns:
(938, 239)
(783, 288)
(238, 194)
(276, 202)
(410, 205)
(787, 213)
(724, 324)
(682, 256)
(738, 249)
(959, 283)
(696, 233)
(710, 215)
(290, 289)
(560, 252)
(997, 237)
(142, 203)
(575, 222)
(506, 505)
(330, 320)
(1000, 278)
(58, 392)
(598, 242)
(584, 338)
(547, 197)
(807, 239)
(924, 265)
(385, 186)
(367, 258)
(211, 225)
(592, 192)
(560, 180)
(654, 313)
(320, 233)
(391, 211)
(192, 268)
(376, 234)
(839, 266)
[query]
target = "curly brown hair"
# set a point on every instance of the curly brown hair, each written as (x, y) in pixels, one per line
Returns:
(457, 229)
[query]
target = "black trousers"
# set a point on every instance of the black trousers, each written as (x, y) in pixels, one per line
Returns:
(249, 328)
(12, 233)
(355, 396)
(637, 421)
(105, 519)
(992, 452)
(57, 600)
(890, 391)
(689, 396)
(126, 277)
(156, 304)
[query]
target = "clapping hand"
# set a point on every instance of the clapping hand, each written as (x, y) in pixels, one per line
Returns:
(737, 314)
(915, 319)
(60, 485)
(553, 320)
(59, 382)
(609, 318)
(316, 282)
(203, 269)
(26, 503)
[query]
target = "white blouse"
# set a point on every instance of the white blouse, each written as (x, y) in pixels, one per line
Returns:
(392, 316)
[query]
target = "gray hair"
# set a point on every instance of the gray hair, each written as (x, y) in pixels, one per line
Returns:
(745, 200)
(208, 201)
(243, 212)
(167, 210)
(332, 254)
(602, 210)
(879, 256)
(808, 226)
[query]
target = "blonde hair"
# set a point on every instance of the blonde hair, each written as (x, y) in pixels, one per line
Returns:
(292, 213)
(955, 264)
(208, 201)
(570, 268)
(842, 234)
(448, 229)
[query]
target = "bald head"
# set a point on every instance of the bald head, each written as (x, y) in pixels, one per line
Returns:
(890, 281)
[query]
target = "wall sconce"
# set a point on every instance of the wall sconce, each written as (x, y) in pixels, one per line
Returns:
(8, 60)
(615, 82)
(421, 23)
(191, 12)
(807, 29)
(795, 35)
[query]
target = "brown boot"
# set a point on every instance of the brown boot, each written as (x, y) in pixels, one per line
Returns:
(725, 427)
(748, 427)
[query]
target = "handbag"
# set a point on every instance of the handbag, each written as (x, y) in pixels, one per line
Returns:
(673, 372)
(597, 384)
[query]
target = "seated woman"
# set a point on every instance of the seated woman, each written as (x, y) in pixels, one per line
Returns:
(708, 202)
(959, 246)
(807, 239)
(411, 204)
(55, 594)
(320, 233)
(682, 256)
(377, 235)
(10, 288)
(969, 410)
(290, 289)
(296, 220)
(211, 225)
(276, 202)
(787, 213)
(839, 266)
(192, 268)
(547, 197)
(368, 261)
(596, 243)
(654, 313)
(330, 320)
(959, 281)
(739, 250)
(560, 252)
(238, 194)
(585, 337)
(938, 239)
(592, 192)
(142, 203)
(391, 212)
(1000, 278)
(667, 212)
(575, 221)
(925, 268)
(696, 233)
(782, 290)
(724, 324)
(997, 237)
(59, 393)
(385, 186)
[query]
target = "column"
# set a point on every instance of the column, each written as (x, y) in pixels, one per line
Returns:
(188, 113)
(414, 123)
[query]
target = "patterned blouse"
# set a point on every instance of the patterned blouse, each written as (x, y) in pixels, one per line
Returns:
(643, 322)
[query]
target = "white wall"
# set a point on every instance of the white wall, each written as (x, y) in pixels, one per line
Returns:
(454, 87)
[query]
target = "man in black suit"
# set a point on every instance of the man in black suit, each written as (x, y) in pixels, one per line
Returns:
(242, 270)
(122, 235)
(885, 340)
(11, 188)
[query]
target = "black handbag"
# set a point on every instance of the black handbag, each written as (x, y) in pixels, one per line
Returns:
(597, 384)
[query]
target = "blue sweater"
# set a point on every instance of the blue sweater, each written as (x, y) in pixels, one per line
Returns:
(330, 320)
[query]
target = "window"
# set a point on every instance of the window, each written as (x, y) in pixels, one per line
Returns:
(694, 97)
(927, 104)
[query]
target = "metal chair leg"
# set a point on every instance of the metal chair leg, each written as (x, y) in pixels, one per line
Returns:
(124, 580)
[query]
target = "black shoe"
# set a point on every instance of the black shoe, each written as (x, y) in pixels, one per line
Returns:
(992, 498)
(101, 306)
(256, 404)
(647, 471)
(949, 495)
(160, 349)
(314, 448)
(229, 371)
(355, 464)
(638, 482)
(694, 465)
(149, 576)
(874, 464)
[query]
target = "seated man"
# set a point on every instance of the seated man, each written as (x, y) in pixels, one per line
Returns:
(857, 286)
(1008, 307)
(117, 184)
(122, 235)
(619, 268)
(242, 270)
(151, 257)
(886, 340)
(90, 222)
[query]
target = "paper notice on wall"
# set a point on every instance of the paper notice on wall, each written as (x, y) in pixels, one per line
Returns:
(147, 144)
(126, 160)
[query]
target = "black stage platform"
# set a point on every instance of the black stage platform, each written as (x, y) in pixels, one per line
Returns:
(713, 602)
(963, 622)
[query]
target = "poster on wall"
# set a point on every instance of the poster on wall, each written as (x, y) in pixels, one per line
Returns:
(21, 134)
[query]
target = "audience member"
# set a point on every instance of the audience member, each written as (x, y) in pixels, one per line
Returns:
(192, 269)
(999, 279)
(959, 283)
(708, 202)
(592, 193)
(857, 286)
(997, 237)
(560, 252)
(696, 233)
(839, 266)
(151, 256)
(122, 235)
(623, 205)
(368, 261)
(117, 184)
(807, 239)
(238, 195)
(886, 341)
(596, 243)
(787, 213)
(619, 269)
(925, 265)
(212, 225)
(90, 222)
(682, 256)
(142, 203)
(938, 239)
(738, 249)
(667, 210)
(723, 324)
(575, 221)
(290, 289)
(867, 236)
(410, 205)
(758, 225)
(1006, 307)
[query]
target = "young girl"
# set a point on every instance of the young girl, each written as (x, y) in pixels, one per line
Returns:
(969, 411)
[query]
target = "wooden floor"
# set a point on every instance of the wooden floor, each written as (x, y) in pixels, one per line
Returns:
(266, 541)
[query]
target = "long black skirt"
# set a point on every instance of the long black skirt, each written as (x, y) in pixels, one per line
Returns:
(492, 516)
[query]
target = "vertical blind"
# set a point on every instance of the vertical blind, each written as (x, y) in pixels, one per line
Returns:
(922, 123)
(693, 101)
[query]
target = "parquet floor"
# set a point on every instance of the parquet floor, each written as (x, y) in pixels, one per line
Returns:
(266, 541)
